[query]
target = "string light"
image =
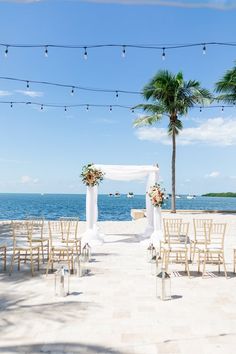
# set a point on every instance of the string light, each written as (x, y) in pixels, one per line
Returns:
(85, 53)
(123, 51)
(124, 46)
(204, 49)
(27, 86)
(163, 54)
(72, 91)
(117, 94)
(110, 107)
(222, 109)
(70, 86)
(6, 51)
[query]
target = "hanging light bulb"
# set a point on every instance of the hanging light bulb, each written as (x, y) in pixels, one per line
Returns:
(87, 108)
(11, 105)
(200, 109)
(46, 51)
(132, 110)
(117, 94)
(222, 109)
(123, 51)
(85, 53)
(41, 107)
(6, 51)
(163, 53)
(65, 109)
(110, 108)
(27, 85)
(72, 91)
(204, 49)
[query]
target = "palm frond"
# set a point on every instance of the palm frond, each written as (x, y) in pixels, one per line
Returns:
(147, 120)
(175, 126)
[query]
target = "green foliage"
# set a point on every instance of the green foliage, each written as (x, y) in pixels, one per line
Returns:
(227, 87)
(170, 95)
(226, 195)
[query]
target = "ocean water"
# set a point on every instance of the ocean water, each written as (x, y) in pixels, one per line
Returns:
(54, 206)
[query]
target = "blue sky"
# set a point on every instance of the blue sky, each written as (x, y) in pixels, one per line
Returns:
(44, 151)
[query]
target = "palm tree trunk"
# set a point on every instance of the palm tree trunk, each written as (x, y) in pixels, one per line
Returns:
(173, 207)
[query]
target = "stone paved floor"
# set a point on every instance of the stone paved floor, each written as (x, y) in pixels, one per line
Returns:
(114, 310)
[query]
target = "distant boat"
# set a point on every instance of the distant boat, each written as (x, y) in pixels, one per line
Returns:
(191, 196)
(177, 197)
(110, 195)
(117, 194)
(130, 195)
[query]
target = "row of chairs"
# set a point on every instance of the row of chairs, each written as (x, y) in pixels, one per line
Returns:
(208, 244)
(36, 241)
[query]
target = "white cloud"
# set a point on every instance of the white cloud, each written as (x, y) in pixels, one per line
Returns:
(28, 180)
(29, 93)
(214, 131)
(5, 93)
(211, 4)
(213, 174)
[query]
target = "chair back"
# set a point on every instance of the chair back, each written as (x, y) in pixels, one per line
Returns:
(177, 234)
(200, 227)
(74, 225)
(20, 234)
(216, 234)
(171, 226)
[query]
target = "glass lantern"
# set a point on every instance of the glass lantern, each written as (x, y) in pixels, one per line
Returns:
(154, 264)
(86, 253)
(62, 282)
(78, 269)
(151, 252)
(163, 285)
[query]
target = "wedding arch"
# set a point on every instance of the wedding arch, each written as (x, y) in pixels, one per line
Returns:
(123, 173)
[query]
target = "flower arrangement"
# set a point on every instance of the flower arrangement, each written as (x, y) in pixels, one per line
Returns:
(156, 194)
(91, 176)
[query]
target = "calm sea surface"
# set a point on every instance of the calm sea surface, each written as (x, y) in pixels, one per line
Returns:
(54, 206)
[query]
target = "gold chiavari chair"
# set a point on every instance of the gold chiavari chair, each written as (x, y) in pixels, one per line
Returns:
(199, 234)
(176, 248)
(38, 236)
(23, 250)
(234, 259)
(60, 248)
(213, 250)
(3, 255)
(73, 236)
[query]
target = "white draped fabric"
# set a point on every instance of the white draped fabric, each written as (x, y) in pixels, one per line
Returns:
(123, 173)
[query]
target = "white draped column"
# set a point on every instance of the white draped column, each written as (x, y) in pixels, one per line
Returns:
(92, 235)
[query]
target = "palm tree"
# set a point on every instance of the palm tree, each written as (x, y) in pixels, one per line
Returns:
(169, 95)
(227, 87)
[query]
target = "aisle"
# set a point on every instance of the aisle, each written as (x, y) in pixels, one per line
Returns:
(114, 310)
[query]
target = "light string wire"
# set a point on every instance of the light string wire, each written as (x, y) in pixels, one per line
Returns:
(161, 46)
(70, 86)
(88, 105)
(78, 87)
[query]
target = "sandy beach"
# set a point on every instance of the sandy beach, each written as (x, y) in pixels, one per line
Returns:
(115, 310)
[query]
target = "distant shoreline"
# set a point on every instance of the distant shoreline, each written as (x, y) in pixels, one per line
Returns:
(224, 195)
